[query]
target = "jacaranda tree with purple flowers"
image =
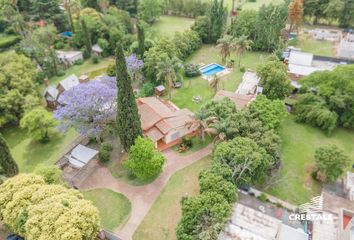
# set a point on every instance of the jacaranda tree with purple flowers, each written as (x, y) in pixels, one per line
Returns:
(88, 107)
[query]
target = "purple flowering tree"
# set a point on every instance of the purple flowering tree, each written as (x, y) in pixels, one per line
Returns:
(134, 65)
(88, 107)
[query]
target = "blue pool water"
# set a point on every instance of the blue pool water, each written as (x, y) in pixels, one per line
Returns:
(211, 69)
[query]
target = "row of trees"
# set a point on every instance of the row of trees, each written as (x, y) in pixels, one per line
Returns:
(263, 27)
(247, 150)
(186, 8)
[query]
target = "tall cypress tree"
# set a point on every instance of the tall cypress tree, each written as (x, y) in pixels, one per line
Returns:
(141, 40)
(128, 119)
(8, 165)
(87, 36)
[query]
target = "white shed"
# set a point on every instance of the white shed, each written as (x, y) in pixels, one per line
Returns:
(81, 155)
(69, 57)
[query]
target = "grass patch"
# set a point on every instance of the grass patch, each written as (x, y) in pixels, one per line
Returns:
(162, 219)
(198, 86)
(93, 70)
(197, 145)
(167, 26)
(28, 153)
(299, 142)
(7, 41)
(114, 207)
(320, 48)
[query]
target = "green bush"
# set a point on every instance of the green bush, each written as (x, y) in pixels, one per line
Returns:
(60, 73)
(95, 59)
(147, 89)
(187, 141)
(104, 154)
(263, 197)
(51, 174)
(242, 69)
(79, 62)
(191, 70)
(59, 45)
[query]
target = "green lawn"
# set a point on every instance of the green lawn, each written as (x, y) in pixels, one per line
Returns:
(161, 220)
(28, 153)
(114, 207)
(299, 143)
(166, 26)
(199, 86)
(87, 67)
(321, 48)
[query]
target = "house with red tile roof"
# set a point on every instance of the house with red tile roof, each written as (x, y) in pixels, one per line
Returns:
(163, 122)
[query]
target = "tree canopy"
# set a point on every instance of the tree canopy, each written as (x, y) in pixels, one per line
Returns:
(331, 162)
(8, 166)
(36, 210)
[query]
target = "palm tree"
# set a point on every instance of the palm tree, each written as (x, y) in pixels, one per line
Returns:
(214, 83)
(225, 46)
(241, 44)
(169, 70)
(219, 130)
(201, 122)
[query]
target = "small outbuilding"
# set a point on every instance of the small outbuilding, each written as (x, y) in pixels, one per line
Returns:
(249, 84)
(160, 90)
(81, 155)
(68, 58)
(97, 50)
(68, 83)
(51, 95)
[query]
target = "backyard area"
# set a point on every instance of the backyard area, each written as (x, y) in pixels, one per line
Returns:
(299, 143)
(159, 223)
(28, 153)
(320, 48)
(108, 202)
(200, 87)
(167, 26)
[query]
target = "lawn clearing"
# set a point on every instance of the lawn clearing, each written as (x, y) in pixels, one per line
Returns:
(199, 86)
(320, 48)
(114, 207)
(299, 142)
(162, 219)
(167, 26)
(28, 153)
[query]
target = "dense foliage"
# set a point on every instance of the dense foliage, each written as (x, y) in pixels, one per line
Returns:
(263, 28)
(331, 104)
(186, 8)
(150, 10)
(128, 119)
(17, 80)
(144, 161)
(36, 210)
(270, 112)
(8, 166)
(39, 123)
(88, 107)
(330, 162)
(274, 79)
(211, 26)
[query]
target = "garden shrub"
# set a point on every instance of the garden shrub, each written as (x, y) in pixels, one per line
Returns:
(95, 59)
(60, 73)
(51, 174)
(191, 70)
(59, 45)
(148, 43)
(104, 154)
(263, 197)
(187, 141)
(8, 41)
(79, 62)
(147, 89)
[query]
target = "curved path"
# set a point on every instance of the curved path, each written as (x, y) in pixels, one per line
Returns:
(142, 197)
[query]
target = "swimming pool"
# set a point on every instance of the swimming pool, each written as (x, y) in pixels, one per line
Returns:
(211, 69)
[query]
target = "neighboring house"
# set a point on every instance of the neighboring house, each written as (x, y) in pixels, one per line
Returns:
(247, 223)
(240, 100)
(349, 186)
(70, 57)
(332, 35)
(51, 95)
(345, 48)
(163, 122)
(301, 64)
(68, 83)
(249, 83)
(97, 50)
(346, 226)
